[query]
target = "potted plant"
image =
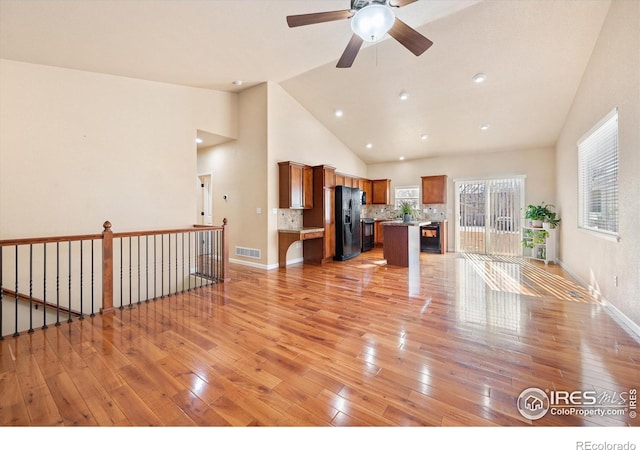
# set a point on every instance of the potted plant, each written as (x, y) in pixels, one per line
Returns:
(533, 237)
(550, 221)
(406, 209)
(539, 214)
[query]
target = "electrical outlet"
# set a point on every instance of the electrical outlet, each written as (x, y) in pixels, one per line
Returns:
(615, 280)
(298, 244)
(275, 211)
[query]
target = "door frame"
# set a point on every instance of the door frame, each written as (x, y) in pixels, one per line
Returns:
(201, 202)
(456, 190)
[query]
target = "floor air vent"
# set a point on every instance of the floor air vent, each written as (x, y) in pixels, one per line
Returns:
(248, 252)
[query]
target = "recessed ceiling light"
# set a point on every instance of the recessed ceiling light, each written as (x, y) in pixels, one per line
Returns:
(479, 78)
(199, 141)
(369, 145)
(484, 126)
(339, 113)
(404, 96)
(424, 137)
(401, 158)
(237, 82)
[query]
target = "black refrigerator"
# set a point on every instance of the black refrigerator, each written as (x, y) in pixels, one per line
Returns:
(347, 222)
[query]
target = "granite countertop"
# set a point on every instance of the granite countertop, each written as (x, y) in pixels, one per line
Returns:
(400, 223)
(301, 230)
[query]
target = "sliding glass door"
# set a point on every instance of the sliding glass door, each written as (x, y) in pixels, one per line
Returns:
(488, 215)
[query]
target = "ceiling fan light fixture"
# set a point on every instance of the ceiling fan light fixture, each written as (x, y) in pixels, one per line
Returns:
(372, 22)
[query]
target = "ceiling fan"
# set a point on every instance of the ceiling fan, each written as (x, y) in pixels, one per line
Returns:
(370, 21)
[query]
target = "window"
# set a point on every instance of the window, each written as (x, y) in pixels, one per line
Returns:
(598, 176)
(410, 194)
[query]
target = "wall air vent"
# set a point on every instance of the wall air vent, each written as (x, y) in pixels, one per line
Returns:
(248, 252)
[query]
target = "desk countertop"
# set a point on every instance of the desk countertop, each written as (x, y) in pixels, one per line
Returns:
(302, 230)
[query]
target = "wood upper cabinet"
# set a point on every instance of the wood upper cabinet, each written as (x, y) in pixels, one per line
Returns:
(434, 189)
(343, 179)
(296, 185)
(380, 192)
(366, 187)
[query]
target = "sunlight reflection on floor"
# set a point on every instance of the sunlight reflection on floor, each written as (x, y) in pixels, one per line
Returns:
(517, 275)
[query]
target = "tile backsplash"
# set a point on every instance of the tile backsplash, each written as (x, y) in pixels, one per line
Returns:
(289, 219)
(433, 212)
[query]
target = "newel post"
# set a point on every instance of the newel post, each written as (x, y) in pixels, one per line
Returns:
(225, 250)
(107, 269)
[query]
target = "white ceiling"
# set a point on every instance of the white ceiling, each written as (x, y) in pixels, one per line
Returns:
(533, 52)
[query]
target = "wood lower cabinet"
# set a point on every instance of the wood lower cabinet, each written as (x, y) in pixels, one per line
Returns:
(321, 215)
(380, 192)
(434, 190)
(296, 185)
(378, 232)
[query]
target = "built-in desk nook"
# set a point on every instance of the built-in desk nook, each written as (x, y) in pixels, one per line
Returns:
(288, 237)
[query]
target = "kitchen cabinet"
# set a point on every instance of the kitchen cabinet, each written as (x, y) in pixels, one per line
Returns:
(380, 192)
(321, 215)
(343, 179)
(434, 190)
(296, 185)
(378, 232)
(366, 187)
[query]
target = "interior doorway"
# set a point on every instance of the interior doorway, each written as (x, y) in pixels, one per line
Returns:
(489, 215)
(205, 199)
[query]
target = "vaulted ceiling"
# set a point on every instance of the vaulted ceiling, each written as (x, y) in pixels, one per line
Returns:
(533, 53)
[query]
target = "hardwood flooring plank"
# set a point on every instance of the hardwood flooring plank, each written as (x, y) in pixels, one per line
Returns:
(353, 343)
(13, 410)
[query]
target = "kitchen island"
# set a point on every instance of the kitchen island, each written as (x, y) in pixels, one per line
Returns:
(402, 243)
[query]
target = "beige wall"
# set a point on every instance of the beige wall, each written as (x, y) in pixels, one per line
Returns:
(78, 148)
(538, 165)
(239, 172)
(612, 79)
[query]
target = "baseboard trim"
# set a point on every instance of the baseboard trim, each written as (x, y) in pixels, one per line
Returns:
(264, 266)
(632, 328)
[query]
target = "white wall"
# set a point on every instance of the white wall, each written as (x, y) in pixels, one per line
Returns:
(78, 148)
(612, 79)
(538, 165)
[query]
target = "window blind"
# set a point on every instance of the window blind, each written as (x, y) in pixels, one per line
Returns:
(598, 176)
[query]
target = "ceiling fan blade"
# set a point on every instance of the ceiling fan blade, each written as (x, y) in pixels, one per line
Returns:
(350, 53)
(309, 19)
(410, 38)
(400, 3)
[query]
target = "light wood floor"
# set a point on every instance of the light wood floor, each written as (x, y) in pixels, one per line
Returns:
(347, 343)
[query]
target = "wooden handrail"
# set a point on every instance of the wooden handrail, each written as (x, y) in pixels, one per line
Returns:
(36, 301)
(107, 237)
(48, 240)
(168, 231)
